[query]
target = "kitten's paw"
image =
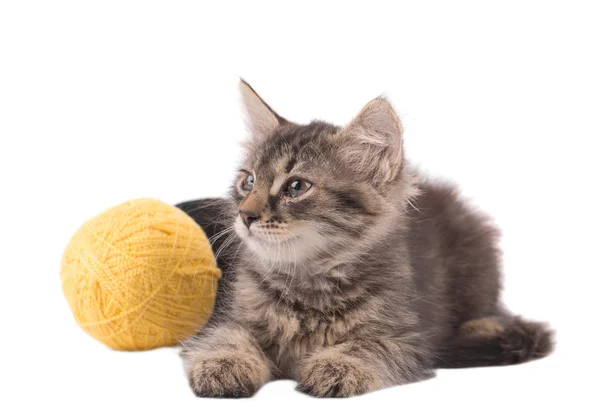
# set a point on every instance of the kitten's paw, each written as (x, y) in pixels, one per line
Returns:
(336, 376)
(226, 375)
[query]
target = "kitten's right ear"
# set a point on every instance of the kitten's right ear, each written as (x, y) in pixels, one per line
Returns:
(261, 119)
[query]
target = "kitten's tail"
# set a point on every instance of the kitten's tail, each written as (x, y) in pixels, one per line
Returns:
(496, 342)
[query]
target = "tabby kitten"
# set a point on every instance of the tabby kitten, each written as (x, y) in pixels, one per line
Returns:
(345, 272)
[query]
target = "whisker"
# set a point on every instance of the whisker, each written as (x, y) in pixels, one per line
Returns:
(216, 236)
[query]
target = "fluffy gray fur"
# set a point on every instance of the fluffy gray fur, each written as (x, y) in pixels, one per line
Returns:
(343, 271)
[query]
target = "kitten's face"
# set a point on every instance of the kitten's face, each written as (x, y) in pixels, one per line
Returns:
(303, 190)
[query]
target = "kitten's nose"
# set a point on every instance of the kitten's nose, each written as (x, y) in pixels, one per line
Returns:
(248, 217)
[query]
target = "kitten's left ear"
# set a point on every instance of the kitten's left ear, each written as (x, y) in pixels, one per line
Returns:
(372, 142)
(262, 120)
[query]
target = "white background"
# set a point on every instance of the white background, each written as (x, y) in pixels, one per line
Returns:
(108, 101)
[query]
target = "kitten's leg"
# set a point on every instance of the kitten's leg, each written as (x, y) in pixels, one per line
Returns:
(225, 361)
(495, 341)
(482, 328)
(360, 366)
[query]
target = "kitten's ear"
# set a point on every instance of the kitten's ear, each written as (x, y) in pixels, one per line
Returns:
(372, 142)
(261, 119)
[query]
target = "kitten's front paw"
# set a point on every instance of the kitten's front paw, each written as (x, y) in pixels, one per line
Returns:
(336, 376)
(226, 375)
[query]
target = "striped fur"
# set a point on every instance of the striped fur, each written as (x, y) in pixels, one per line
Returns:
(370, 278)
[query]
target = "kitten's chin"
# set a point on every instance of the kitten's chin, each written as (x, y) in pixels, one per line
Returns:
(276, 249)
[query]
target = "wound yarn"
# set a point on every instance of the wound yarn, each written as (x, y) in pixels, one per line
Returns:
(141, 275)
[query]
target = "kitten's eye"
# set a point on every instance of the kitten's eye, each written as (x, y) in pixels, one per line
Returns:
(297, 187)
(248, 183)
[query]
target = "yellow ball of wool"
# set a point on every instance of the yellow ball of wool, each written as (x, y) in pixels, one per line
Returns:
(139, 276)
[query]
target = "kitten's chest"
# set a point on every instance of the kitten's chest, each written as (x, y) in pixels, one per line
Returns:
(288, 331)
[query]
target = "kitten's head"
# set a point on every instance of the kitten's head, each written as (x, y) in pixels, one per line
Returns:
(306, 190)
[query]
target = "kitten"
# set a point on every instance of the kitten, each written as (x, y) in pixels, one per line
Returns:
(346, 273)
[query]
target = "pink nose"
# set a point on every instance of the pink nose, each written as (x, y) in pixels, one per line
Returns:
(248, 217)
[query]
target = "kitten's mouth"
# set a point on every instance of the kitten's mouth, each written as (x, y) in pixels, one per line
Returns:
(264, 239)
